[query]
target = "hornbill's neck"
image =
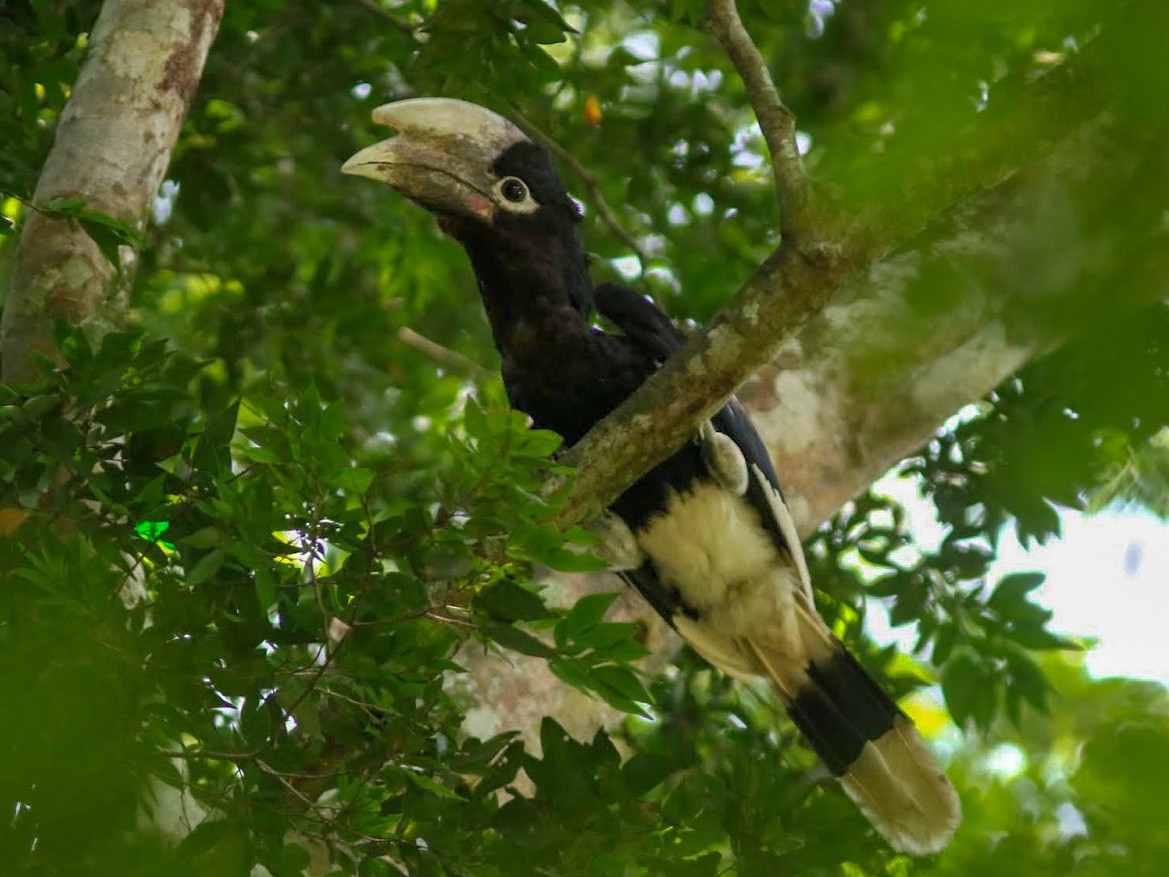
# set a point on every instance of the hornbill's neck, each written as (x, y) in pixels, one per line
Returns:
(534, 285)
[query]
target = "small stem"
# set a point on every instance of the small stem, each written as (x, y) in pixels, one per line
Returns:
(318, 674)
(209, 754)
(4, 193)
(776, 121)
(440, 354)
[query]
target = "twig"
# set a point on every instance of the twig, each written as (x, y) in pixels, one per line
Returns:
(443, 355)
(317, 675)
(777, 122)
(282, 779)
(454, 622)
(208, 754)
(4, 193)
(588, 180)
(372, 6)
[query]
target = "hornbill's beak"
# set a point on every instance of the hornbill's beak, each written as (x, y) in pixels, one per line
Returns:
(442, 156)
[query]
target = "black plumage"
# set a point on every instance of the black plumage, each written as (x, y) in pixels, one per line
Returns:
(717, 553)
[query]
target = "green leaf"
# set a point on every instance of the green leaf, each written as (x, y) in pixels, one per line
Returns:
(206, 836)
(36, 407)
(1012, 591)
(544, 544)
(689, 12)
(506, 601)
(355, 480)
(584, 615)
(537, 443)
(212, 451)
(444, 562)
(644, 771)
(206, 567)
(475, 420)
(477, 755)
(622, 680)
(573, 673)
(544, 33)
(890, 585)
(432, 786)
(66, 206)
(607, 635)
(517, 640)
(961, 680)
(295, 859)
(1028, 680)
(617, 686)
(206, 537)
(1036, 636)
(274, 446)
(265, 588)
(152, 531)
(983, 700)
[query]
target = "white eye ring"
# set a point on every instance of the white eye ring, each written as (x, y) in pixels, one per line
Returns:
(513, 189)
(514, 195)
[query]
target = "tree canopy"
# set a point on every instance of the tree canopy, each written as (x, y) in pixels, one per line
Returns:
(264, 508)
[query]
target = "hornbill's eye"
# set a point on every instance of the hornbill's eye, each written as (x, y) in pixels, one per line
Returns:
(513, 189)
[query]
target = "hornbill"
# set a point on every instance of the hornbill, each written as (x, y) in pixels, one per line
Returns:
(705, 536)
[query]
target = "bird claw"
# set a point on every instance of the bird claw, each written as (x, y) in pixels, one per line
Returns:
(723, 459)
(619, 548)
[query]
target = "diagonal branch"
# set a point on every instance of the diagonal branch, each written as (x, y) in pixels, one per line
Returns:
(442, 355)
(881, 372)
(777, 122)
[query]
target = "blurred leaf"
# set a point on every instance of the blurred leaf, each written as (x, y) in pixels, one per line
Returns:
(507, 602)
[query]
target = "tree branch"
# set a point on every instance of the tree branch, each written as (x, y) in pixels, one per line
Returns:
(776, 121)
(884, 374)
(112, 147)
(666, 410)
(442, 355)
(588, 180)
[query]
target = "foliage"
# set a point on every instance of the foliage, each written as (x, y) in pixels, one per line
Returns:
(258, 525)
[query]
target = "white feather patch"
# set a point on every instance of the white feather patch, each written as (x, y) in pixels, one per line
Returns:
(711, 546)
(899, 786)
(707, 540)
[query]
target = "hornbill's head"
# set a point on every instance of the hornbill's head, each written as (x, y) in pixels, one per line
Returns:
(478, 172)
(495, 191)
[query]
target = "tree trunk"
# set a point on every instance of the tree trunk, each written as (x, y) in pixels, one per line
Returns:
(112, 147)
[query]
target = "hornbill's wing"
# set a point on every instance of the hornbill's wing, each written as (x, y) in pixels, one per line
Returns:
(639, 320)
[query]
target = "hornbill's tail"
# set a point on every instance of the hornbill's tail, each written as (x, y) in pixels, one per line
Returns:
(863, 739)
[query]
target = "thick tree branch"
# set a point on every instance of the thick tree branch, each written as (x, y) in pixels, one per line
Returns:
(891, 373)
(112, 147)
(776, 121)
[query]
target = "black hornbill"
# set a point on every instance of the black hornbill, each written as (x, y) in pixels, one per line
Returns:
(705, 536)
